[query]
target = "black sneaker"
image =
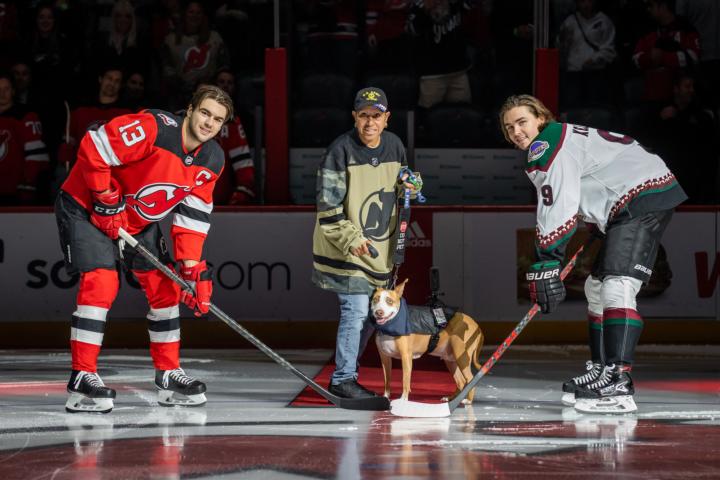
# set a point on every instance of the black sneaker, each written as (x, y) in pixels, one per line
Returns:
(351, 389)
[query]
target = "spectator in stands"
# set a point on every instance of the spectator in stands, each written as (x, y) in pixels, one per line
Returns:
(52, 60)
(23, 82)
(133, 92)
(441, 55)
(660, 54)
(94, 112)
(389, 46)
(236, 185)
(587, 48)
(166, 20)
(23, 156)
(191, 55)
(704, 15)
(122, 45)
(685, 139)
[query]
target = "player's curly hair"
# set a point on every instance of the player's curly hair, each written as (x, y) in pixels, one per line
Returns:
(212, 92)
(535, 106)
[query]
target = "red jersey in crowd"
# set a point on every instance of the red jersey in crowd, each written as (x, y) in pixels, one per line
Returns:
(23, 154)
(679, 47)
(239, 172)
(144, 154)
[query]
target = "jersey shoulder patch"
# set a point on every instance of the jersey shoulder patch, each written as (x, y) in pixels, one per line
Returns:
(545, 147)
(165, 119)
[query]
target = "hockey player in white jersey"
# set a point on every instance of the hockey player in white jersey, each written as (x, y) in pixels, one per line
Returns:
(626, 195)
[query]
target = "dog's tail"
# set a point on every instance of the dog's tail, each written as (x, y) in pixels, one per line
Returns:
(478, 337)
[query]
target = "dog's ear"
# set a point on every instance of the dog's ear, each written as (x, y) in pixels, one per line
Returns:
(399, 289)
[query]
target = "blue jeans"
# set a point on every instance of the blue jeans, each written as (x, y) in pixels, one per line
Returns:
(354, 331)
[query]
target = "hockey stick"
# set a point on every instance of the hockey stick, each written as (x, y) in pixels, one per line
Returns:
(404, 408)
(367, 403)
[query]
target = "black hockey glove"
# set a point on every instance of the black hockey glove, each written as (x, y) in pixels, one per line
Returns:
(546, 287)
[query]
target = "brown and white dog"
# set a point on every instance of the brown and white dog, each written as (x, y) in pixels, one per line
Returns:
(458, 344)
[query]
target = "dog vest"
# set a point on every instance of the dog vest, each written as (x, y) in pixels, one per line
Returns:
(417, 319)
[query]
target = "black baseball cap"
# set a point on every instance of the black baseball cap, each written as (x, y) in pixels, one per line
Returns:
(371, 97)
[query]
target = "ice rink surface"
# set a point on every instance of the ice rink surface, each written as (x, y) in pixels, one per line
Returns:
(517, 427)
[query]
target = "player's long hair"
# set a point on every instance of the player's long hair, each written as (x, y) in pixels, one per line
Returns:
(535, 106)
(213, 93)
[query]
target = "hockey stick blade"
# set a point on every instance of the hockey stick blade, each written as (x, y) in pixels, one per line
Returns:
(405, 408)
(367, 403)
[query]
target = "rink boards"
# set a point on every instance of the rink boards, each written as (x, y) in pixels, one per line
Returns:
(263, 263)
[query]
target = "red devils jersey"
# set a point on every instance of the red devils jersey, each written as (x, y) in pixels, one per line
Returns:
(241, 175)
(23, 154)
(144, 153)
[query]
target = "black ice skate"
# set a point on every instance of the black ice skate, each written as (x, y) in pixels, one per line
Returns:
(592, 372)
(88, 393)
(612, 392)
(176, 388)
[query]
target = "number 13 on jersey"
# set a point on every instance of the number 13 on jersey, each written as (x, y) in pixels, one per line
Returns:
(131, 135)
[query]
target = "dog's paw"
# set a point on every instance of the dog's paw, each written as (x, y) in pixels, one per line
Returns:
(466, 402)
(386, 395)
(445, 399)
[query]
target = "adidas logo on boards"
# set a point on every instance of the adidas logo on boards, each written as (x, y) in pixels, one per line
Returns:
(416, 237)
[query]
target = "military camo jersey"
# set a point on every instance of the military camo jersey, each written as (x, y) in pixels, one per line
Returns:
(594, 175)
(357, 193)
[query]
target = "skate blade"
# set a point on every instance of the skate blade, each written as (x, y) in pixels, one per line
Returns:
(168, 398)
(568, 399)
(78, 403)
(619, 404)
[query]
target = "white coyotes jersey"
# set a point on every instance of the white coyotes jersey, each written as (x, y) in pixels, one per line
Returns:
(590, 173)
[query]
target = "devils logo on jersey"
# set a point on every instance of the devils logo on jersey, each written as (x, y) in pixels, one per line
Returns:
(154, 202)
(196, 58)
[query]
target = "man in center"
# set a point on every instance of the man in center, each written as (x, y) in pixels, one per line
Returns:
(357, 191)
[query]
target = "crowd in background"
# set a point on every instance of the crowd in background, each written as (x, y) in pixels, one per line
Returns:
(647, 68)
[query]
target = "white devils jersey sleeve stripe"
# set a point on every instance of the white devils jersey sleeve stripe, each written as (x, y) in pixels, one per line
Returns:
(193, 214)
(103, 147)
(188, 223)
(196, 203)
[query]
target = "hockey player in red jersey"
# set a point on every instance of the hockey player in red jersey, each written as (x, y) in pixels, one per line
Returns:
(131, 173)
(628, 195)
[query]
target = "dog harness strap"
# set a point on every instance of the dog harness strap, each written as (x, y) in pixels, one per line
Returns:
(433, 343)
